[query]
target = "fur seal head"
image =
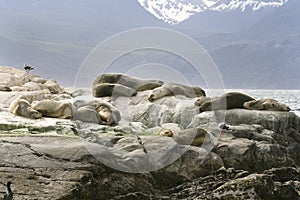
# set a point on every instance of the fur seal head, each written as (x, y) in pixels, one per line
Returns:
(105, 114)
(23, 108)
(166, 132)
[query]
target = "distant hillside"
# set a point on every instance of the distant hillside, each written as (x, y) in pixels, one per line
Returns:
(251, 49)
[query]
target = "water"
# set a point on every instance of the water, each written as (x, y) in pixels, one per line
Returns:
(288, 97)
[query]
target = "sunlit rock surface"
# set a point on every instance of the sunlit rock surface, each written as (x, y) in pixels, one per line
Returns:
(51, 158)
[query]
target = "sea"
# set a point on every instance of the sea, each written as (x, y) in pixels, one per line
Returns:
(288, 97)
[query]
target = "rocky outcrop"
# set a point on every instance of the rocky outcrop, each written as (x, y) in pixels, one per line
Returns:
(255, 157)
(19, 80)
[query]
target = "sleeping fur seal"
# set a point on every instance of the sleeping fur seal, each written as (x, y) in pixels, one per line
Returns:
(192, 136)
(128, 81)
(229, 100)
(107, 113)
(172, 89)
(266, 104)
(21, 107)
(116, 90)
(56, 109)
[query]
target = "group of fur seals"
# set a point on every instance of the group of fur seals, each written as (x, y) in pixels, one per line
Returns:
(227, 101)
(121, 85)
(40, 104)
(43, 108)
(234, 100)
(192, 136)
(108, 85)
(99, 112)
(172, 89)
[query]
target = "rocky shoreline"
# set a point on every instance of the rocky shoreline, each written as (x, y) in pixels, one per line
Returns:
(53, 158)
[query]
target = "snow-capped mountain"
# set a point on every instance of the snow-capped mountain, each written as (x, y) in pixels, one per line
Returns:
(176, 11)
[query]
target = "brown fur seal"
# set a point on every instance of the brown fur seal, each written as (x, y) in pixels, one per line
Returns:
(87, 114)
(116, 90)
(128, 81)
(166, 132)
(201, 100)
(229, 100)
(108, 114)
(172, 89)
(105, 115)
(57, 109)
(266, 104)
(21, 107)
(193, 136)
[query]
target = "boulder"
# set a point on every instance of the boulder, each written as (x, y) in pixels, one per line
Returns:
(30, 86)
(244, 154)
(54, 87)
(177, 110)
(10, 77)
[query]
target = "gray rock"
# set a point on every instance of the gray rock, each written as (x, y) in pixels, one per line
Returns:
(54, 87)
(87, 114)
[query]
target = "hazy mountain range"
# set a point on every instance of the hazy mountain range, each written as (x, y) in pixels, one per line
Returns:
(253, 48)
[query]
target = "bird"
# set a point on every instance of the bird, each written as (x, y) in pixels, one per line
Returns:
(27, 68)
(139, 139)
(9, 194)
(223, 126)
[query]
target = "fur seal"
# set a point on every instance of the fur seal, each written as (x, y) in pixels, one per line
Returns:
(266, 104)
(4, 88)
(193, 136)
(128, 81)
(229, 100)
(107, 113)
(201, 100)
(21, 107)
(172, 89)
(87, 114)
(56, 109)
(166, 132)
(108, 89)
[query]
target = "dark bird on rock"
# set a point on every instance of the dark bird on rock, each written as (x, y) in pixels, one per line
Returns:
(139, 139)
(223, 126)
(9, 193)
(28, 68)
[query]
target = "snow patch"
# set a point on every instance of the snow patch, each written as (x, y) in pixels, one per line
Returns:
(176, 11)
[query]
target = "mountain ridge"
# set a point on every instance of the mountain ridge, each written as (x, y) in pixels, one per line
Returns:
(176, 11)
